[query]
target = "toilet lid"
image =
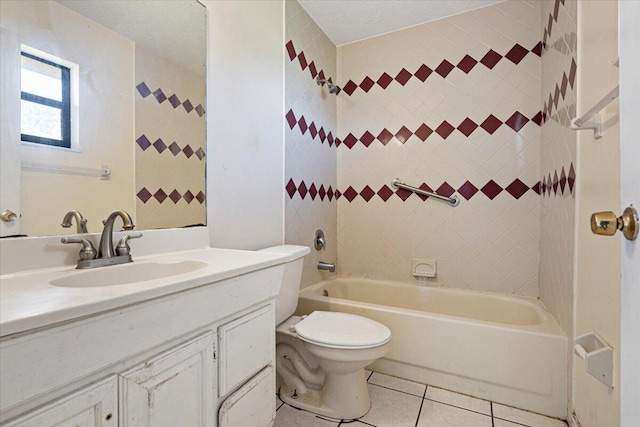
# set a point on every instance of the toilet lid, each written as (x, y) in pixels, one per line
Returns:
(343, 330)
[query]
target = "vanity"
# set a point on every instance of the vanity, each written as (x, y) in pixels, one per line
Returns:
(193, 346)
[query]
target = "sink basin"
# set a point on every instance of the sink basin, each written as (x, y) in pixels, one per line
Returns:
(127, 274)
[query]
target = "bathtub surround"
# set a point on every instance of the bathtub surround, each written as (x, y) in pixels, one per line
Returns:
(453, 106)
(310, 129)
(170, 143)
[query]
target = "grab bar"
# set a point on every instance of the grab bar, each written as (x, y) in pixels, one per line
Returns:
(580, 123)
(453, 200)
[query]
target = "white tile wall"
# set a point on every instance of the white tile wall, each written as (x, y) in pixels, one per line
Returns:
(307, 158)
(483, 244)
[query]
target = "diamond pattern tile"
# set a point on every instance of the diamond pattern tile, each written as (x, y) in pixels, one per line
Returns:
(188, 151)
(159, 145)
(366, 84)
(143, 89)
(423, 132)
(313, 191)
(385, 192)
(350, 87)
(467, 190)
(517, 188)
(160, 195)
(291, 188)
(302, 189)
(491, 124)
(175, 196)
(466, 64)
(516, 121)
(350, 194)
(467, 127)
(384, 80)
(490, 59)
(188, 197)
(367, 138)
(424, 187)
(174, 148)
(367, 193)
(516, 54)
(403, 194)
(144, 195)
(291, 119)
(200, 197)
(350, 141)
(445, 129)
(403, 134)
(384, 136)
(403, 77)
(143, 142)
(423, 73)
(491, 189)
(444, 68)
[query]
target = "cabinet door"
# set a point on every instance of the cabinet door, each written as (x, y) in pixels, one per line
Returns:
(94, 405)
(175, 388)
(246, 346)
(254, 404)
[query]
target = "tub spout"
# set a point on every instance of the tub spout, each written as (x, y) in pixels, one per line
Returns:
(326, 266)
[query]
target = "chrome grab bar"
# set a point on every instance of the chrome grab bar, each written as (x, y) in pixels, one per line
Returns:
(453, 200)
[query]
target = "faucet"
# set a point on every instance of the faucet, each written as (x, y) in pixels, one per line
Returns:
(80, 221)
(331, 268)
(105, 250)
(106, 254)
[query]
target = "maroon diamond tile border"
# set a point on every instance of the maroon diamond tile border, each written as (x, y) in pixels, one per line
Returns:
(293, 55)
(144, 91)
(516, 54)
(174, 148)
(315, 191)
(468, 190)
(315, 130)
(160, 195)
(516, 122)
(558, 183)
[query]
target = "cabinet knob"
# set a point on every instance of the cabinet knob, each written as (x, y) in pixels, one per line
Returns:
(607, 223)
(8, 216)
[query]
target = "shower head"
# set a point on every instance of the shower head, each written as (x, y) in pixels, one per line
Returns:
(332, 88)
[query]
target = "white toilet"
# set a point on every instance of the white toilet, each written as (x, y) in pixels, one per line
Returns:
(321, 357)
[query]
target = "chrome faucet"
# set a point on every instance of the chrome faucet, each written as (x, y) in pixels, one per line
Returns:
(105, 250)
(81, 223)
(106, 253)
(331, 268)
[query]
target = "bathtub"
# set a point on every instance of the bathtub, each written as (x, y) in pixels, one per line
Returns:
(507, 349)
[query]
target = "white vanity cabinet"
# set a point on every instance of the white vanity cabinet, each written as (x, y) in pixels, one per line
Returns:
(172, 361)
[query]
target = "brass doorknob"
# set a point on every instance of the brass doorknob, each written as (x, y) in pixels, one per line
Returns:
(8, 216)
(607, 223)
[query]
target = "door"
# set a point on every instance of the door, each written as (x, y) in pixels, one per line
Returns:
(175, 388)
(9, 131)
(629, 46)
(94, 405)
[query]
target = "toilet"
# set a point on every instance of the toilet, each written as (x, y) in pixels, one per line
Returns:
(320, 358)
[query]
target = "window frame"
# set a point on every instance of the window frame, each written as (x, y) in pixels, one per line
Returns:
(64, 106)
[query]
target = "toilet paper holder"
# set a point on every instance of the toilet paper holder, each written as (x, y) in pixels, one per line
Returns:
(597, 356)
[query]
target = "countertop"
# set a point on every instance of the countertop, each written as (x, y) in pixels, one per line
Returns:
(28, 301)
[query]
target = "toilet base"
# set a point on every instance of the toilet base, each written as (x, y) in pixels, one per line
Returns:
(343, 397)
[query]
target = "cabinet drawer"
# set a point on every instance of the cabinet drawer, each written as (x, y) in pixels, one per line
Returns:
(246, 346)
(94, 405)
(254, 404)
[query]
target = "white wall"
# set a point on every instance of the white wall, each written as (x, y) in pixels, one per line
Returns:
(629, 46)
(597, 270)
(245, 127)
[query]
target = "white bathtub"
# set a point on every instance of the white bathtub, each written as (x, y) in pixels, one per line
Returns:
(507, 349)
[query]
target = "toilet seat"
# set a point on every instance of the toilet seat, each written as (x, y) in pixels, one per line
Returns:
(342, 330)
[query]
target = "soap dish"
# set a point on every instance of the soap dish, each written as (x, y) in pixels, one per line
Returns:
(597, 356)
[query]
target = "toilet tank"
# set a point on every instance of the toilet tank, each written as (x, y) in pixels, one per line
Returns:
(287, 299)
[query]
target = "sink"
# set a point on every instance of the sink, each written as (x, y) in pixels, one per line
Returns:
(127, 273)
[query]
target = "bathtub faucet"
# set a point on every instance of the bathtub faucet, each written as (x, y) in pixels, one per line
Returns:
(331, 268)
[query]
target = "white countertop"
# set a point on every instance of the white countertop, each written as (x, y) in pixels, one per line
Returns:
(29, 301)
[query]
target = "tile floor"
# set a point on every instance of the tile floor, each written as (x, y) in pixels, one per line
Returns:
(396, 402)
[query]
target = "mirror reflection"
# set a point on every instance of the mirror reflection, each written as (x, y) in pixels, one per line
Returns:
(102, 108)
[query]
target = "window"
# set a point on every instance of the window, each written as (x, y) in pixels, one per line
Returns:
(46, 102)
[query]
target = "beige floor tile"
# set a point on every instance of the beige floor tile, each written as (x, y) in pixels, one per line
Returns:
(390, 408)
(399, 384)
(524, 417)
(291, 417)
(460, 400)
(436, 414)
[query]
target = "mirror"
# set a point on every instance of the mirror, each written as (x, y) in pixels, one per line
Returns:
(130, 133)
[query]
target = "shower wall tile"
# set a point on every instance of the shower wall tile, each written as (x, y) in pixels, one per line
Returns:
(170, 143)
(310, 129)
(558, 154)
(455, 105)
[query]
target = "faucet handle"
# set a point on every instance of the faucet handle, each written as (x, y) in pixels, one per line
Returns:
(123, 248)
(87, 251)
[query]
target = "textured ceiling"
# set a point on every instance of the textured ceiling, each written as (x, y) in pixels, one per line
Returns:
(347, 21)
(175, 29)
